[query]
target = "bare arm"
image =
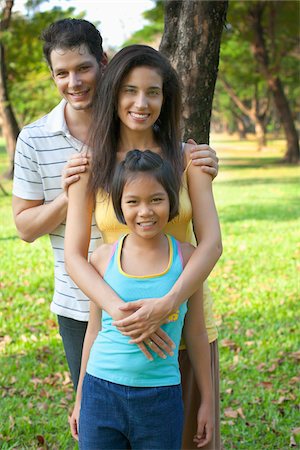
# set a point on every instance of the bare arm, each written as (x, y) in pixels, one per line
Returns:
(197, 345)
(77, 239)
(206, 224)
(33, 218)
(92, 331)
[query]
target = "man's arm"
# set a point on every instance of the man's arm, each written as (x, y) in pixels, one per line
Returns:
(33, 218)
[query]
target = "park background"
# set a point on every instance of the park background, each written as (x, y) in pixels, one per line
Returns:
(255, 284)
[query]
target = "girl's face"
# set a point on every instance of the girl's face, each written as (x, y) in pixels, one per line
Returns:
(140, 98)
(145, 205)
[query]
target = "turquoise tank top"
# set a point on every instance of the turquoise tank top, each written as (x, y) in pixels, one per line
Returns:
(112, 358)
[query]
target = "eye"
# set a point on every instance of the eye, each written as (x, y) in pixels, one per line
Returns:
(84, 68)
(153, 92)
(157, 199)
(61, 74)
(131, 202)
(129, 90)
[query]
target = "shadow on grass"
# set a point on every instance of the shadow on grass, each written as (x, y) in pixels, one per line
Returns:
(8, 238)
(256, 181)
(273, 212)
(252, 163)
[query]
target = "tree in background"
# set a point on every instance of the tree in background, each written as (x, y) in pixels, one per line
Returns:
(9, 125)
(191, 41)
(25, 79)
(270, 31)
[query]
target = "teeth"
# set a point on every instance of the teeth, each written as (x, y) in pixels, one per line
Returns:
(146, 224)
(139, 116)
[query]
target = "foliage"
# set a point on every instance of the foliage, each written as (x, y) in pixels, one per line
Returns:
(256, 291)
(237, 64)
(31, 88)
(154, 29)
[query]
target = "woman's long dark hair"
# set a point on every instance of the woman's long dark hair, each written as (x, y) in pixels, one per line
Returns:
(105, 129)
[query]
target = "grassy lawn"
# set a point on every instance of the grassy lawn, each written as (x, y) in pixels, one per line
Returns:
(256, 291)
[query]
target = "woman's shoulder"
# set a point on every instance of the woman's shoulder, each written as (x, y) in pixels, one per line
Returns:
(186, 150)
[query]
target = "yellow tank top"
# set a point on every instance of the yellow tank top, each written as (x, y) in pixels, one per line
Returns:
(180, 227)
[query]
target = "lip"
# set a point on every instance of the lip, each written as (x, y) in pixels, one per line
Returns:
(78, 94)
(146, 225)
(140, 117)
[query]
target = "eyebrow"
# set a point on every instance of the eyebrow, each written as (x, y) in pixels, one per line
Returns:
(136, 196)
(61, 69)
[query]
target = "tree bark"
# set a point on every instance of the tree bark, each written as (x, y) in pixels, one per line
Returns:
(191, 41)
(261, 54)
(10, 126)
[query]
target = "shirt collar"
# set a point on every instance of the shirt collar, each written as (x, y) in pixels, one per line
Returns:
(56, 122)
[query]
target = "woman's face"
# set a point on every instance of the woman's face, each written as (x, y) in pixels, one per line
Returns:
(140, 98)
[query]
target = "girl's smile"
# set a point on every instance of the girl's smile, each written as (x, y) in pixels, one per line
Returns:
(145, 205)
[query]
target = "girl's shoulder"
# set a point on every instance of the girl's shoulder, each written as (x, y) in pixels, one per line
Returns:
(101, 257)
(187, 250)
(186, 150)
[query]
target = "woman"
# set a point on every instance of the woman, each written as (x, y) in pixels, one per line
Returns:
(139, 106)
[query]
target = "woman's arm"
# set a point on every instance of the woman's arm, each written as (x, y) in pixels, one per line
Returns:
(77, 240)
(92, 331)
(86, 277)
(152, 314)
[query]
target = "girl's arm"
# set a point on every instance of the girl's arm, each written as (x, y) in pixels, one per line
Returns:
(197, 345)
(152, 314)
(92, 331)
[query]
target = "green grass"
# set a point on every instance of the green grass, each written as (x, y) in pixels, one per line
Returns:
(256, 291)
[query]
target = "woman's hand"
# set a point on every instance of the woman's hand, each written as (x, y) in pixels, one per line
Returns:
(205, 156)
(74, 421)
(76, 165)
(204, 425)
(146, 316)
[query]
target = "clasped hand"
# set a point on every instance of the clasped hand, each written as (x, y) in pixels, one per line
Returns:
(143, 326)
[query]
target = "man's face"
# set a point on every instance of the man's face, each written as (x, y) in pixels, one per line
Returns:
(75, 73)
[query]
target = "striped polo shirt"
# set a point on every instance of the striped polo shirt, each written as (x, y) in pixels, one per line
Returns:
(42, 150)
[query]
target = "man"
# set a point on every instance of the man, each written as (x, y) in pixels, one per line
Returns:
(51, 154)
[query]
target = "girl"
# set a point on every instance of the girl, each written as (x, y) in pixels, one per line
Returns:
(139, 106)
(125, 399)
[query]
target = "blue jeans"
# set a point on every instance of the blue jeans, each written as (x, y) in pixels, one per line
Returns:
(117, 417)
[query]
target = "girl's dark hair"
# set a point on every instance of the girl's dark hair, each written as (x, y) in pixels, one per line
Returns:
(105, 131)
(69, 34)
(146, 161)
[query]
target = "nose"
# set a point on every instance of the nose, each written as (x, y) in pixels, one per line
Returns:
(141, 101)
(74, 80)
(145, 210)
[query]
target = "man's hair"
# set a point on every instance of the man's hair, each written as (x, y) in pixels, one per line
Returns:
(69, 34)
(145, 162)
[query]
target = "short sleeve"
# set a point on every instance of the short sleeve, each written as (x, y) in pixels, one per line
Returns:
(27, 182)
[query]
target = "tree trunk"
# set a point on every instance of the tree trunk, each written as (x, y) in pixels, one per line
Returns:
(261, 54)
(191, 41)
(10, 127)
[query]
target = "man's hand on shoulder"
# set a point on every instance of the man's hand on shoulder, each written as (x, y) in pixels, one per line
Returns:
(77, 164)
(204, 156)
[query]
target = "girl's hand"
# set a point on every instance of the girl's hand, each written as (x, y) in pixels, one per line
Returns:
(205, 156)
(76, 165)
(205, 426)
(147, 316)
(159, 343)
(74, 421)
